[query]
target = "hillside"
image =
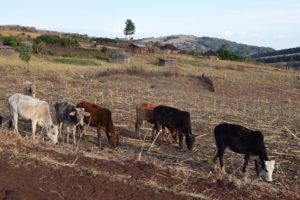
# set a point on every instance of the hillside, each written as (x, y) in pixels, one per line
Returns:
(286, 57)
(203, 44)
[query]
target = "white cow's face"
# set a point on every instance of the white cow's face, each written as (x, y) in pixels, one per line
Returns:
(52, 133)
(80, 115)
(268, 171)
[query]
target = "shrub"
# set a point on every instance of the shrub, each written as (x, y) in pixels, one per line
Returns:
(224, 54)
(37, 48)
(11, 41)
(25, 51)
(50, 39)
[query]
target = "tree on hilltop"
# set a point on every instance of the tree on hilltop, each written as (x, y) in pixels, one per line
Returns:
(129, 28)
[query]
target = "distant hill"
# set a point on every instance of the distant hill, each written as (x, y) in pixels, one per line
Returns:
(203, 44)
(286, 57)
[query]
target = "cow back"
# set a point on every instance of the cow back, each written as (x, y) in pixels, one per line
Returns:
(173, 118)
(98, 116)
(144, 111)
(240, 139)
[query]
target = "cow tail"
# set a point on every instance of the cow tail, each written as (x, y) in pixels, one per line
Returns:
(10, 123)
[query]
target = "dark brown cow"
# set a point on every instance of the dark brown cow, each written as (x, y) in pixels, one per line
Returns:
(100, 118)
(144, 112)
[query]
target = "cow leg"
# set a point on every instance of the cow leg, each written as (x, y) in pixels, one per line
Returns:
(180, 140)
(137, 129)
(74, 135)
(68, 134)
(256, 167)
(154, 131)
(33, 123)
(99, 137)
(246, 159)
(215, 156)
(60, 131)
(15, 123)
(220, 154)
(167, 132)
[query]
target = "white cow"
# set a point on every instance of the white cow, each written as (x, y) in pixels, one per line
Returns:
(32, 109)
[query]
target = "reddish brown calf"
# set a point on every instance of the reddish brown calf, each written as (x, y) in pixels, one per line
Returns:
(101, 118)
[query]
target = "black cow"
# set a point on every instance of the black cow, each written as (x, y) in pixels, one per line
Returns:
(174, 119)
(242, 140)
(67, 113)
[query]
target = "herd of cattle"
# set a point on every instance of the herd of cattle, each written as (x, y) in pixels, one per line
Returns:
(165, 119)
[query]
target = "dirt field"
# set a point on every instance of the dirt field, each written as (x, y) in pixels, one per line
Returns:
(44, 171)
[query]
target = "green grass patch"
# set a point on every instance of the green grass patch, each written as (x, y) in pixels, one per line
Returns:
(75, 62)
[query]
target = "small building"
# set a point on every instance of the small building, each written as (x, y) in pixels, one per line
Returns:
(211, 55)
(120, 57)
(168, 62)
(138, 48)
(169, 48)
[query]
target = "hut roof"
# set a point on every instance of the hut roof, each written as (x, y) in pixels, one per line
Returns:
(138, 45)
(211, 53)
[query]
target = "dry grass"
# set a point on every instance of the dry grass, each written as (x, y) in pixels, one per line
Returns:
(18, 33)
(254, 96)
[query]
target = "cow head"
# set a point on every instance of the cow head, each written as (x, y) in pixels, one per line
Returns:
(52, 133)
(189, 140)
(113, 138)
(32, 90)
(268, 170)
(80, 114)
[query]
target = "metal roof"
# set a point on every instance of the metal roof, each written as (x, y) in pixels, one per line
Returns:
(138, 45)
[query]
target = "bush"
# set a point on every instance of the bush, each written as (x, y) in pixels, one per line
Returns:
(25, 51)
(224, 54)
(50, 39)
(11, 41)
(37, 48)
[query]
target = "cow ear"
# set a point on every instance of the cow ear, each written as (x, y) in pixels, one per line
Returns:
(72, 113)
(87, 114)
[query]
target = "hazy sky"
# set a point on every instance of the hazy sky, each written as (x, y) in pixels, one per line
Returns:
(272, 23)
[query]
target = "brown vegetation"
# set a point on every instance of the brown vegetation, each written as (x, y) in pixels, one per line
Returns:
(254, 96)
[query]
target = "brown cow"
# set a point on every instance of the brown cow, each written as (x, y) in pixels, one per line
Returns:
(100, 118)
(30, 89)
(144, 112)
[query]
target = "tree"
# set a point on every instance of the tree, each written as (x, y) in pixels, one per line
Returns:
(25, 51)
(129, 28)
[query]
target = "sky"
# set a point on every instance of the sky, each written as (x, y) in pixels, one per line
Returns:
(269, 23)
